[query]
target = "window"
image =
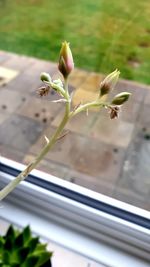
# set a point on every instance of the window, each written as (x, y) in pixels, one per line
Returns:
(78, 218)
(92, 188)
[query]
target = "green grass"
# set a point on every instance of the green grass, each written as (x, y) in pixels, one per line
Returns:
(104, 34)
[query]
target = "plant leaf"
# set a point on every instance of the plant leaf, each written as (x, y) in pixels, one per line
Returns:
(26, 234)
(31, 261)
(20, 255)
(43, 257)
(33, 243)
(10, 233)
(19, 242)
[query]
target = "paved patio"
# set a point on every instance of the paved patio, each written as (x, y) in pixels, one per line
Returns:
(109, 156)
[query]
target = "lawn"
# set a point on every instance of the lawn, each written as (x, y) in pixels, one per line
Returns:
(104, 34)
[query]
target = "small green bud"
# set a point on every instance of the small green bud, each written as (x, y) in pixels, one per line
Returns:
(45, 77)
(109, 82)
(66, 64)
(120, 98)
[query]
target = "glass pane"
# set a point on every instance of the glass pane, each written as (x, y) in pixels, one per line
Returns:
(108, 156)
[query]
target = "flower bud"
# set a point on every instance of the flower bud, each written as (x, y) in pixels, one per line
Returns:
(120, 98)
(66, 64)
(109, 82)
(45, 77)
(104, 89)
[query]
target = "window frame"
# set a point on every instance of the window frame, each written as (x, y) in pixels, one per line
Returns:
(105, 223)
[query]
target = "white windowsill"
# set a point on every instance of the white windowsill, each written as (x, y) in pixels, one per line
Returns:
(85, 246)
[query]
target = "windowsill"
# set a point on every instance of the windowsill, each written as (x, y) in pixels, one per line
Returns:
(79, 250)
(61, 257)
(89, 233)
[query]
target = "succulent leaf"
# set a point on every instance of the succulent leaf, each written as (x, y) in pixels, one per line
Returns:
(19, 241)
(15, 265)
(20, 249)
(45, 256)
(6, 257)
(9, 243)
(31, 261)
(26, 234)
(10, 233)
(22, 253)
(33, 243)
(41, 247)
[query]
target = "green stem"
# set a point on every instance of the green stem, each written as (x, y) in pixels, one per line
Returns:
(86, 107)
(6, 190)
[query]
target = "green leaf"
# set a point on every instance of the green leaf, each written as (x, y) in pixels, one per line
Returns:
(9, 243)
(15, 265)
(41, 247)
(31, 261)
(20, 255)
(10, 233)
(44, 257)
(1, 242)
(33, 243)
(19, 241)
(26, 234)
(6, 257)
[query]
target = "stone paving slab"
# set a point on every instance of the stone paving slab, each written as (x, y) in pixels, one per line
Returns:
(10, 100)
(115, 132)
(19, 132)
(39, 109)
(74, 151)
(111, 157)
(136, 169)
(4, 56)
(7, 75)
(19, 63)
(147, 98)
(94, 183)
(80, 124)
(137, 90)
(3, 117)
(77, 77)
(29, 80)
(91, 83)
(11, 152)
(58, 170)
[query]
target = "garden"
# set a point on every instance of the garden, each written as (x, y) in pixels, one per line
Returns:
(104, 34)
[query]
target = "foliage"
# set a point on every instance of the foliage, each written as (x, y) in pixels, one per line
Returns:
(20, 249)
(105, 34)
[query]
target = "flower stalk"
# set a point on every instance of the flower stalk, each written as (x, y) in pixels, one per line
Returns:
(65, 66)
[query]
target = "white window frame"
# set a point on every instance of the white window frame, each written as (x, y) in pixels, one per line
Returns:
(95, 233)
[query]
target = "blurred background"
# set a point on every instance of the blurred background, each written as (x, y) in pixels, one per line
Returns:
(104, 35)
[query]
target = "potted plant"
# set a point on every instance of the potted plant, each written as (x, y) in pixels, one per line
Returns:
(21, 249)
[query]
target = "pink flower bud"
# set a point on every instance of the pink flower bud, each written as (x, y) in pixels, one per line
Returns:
(66, 64)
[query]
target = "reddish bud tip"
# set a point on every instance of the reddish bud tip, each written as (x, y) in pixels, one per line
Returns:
(66, 64)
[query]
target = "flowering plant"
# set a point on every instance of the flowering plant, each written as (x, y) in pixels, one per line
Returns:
(66, 66)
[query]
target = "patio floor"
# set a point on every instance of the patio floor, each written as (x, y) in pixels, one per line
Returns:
(109, 156)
